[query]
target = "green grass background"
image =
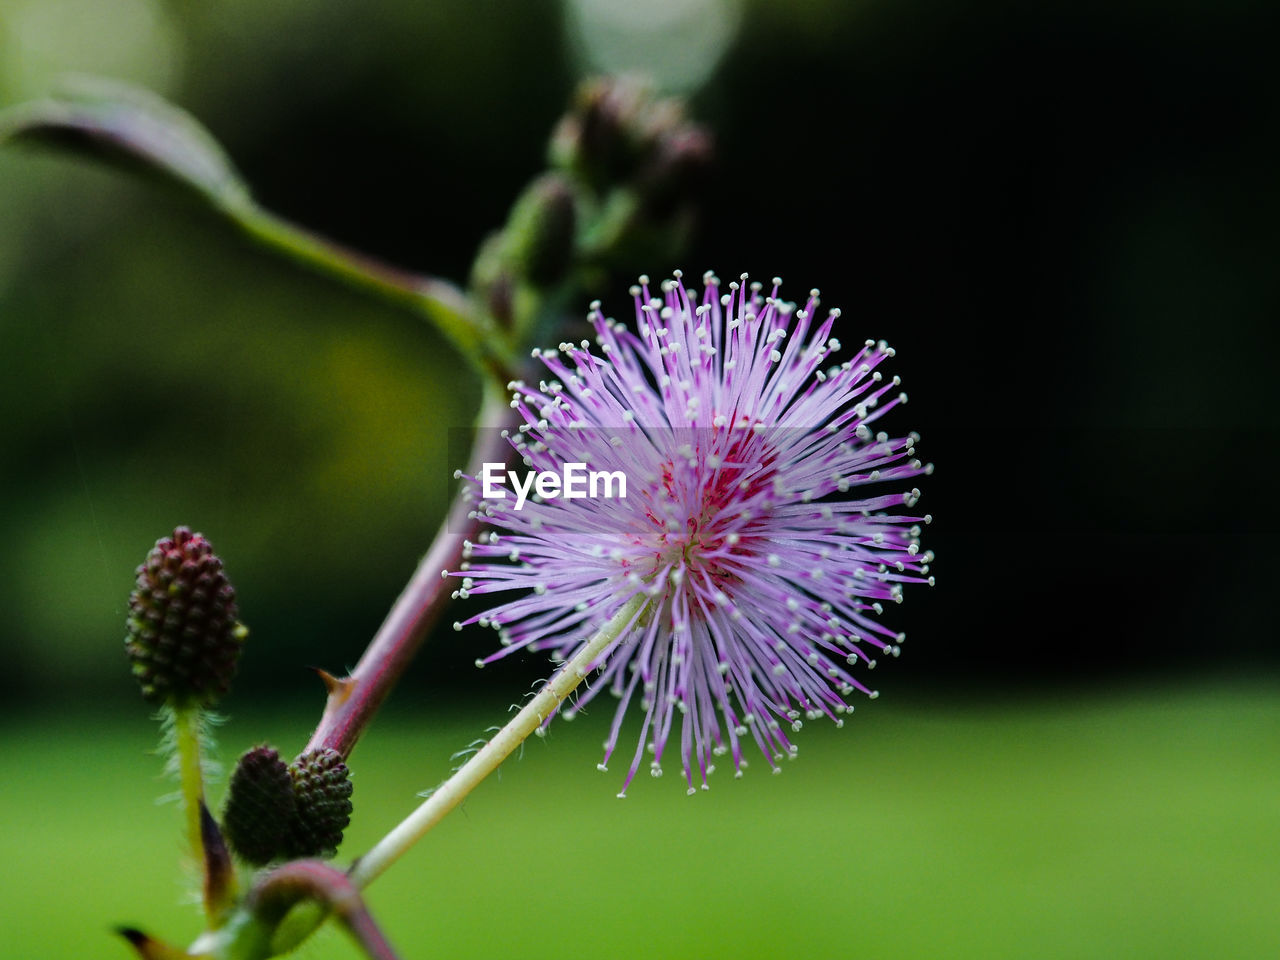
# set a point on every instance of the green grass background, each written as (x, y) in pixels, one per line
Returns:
(1136, 822)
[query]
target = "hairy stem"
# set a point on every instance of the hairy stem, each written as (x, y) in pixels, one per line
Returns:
(450, 793)
(186, 735)
(354, 699)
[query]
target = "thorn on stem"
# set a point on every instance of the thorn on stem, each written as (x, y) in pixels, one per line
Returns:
(339, 688)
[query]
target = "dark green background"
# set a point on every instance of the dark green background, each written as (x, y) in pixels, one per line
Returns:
(1062, 215)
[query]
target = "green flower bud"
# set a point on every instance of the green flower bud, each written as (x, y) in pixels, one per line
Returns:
(261, 807)
(322, 788)
(183, 636)
(518, 268)
(539, 232)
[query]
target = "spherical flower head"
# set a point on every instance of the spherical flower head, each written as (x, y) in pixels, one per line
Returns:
(183, 638)
(756, 523)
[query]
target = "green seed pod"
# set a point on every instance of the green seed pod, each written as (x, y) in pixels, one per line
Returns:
(322, 787)
(261, 807)
(183, 638)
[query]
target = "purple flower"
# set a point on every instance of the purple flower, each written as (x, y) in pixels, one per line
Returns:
(761, 571)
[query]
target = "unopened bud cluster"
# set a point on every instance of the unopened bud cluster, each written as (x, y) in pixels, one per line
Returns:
(278, 812)
(183, 636)
(322, 787)
(619, 136)
(626, 167)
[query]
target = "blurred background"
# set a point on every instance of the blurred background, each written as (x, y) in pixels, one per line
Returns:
(1063, 216)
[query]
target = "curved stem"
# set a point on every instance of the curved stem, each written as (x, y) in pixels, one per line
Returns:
(441, 302)
(311, 880)
(450, 793)
(354, 699)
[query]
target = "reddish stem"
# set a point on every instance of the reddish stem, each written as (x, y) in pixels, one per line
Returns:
(289, 885)
(353, 700)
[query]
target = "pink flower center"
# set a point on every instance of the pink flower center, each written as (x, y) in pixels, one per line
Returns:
(729, 491)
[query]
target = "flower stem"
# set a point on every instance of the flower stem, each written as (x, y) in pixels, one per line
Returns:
(441, 302)
(450, 793)
(186, 734)
(354, 699)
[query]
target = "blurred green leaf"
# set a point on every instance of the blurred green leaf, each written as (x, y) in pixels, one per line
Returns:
(138, 130)
(133, 127)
